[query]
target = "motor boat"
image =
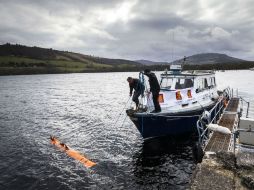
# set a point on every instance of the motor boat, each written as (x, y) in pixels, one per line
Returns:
(183, 97)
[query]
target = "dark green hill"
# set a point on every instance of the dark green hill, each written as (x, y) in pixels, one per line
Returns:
(19, 59)
(30, 52)
(210, 58)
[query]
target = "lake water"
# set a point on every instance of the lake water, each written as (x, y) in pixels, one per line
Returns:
(82, 110)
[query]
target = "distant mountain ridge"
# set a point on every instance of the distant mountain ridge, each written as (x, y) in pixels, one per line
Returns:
(209, 58)
(148, 62)
(199, 59)
(20, 59)
(51, 54)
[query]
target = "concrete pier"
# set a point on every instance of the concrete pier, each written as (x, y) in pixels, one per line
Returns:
(220, 167)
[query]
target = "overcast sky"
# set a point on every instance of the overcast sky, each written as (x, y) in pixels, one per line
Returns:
(158, 30)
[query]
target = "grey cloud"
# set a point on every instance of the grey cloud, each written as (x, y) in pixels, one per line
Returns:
(158, 30)
(158, 22)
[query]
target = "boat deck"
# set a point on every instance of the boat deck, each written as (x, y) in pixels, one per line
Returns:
(220, 141)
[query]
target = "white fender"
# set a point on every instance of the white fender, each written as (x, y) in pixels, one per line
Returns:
(218, 128)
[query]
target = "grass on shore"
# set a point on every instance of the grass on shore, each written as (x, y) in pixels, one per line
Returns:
(21, 65)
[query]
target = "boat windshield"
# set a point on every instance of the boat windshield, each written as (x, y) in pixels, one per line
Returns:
(166, 83)
(182, 83)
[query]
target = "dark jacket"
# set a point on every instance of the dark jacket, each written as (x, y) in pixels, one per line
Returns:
(153, 81)
(137, 86)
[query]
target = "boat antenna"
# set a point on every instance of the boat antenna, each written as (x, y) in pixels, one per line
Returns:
(171, 42)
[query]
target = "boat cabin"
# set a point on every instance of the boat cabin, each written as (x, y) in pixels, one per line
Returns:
(186, 90)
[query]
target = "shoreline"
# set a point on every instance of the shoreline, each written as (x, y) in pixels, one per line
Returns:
(45, 71)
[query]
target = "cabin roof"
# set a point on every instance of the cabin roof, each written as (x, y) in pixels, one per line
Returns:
(187, 73)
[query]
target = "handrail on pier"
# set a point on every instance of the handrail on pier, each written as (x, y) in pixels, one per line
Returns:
(212, 116)
(248, 106)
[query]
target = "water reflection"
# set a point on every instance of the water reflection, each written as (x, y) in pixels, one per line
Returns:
(80, 109)
(164, 163)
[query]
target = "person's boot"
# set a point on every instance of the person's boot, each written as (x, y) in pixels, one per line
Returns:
(136, 107)
(155, 111)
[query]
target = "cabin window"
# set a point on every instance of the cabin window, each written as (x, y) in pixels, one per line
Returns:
(205, 83)
(188, 83)
(202, 84)
(183, 83)
(166, 83)
(212, 82)
(199, 84)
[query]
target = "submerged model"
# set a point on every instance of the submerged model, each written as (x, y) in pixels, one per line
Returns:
(183, 97)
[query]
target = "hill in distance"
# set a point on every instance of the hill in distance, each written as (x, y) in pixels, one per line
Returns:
(199, 59)
(209, 58)
(35, 60)
(147, 62)
(20, 59)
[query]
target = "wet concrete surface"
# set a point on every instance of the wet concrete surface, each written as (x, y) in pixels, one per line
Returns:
(225, 170)
(245, 165)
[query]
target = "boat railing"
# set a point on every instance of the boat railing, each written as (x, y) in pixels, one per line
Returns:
(212, 116)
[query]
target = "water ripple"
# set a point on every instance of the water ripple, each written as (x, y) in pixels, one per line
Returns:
(82, 110)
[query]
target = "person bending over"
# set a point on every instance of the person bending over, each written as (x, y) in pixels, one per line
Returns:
(139, 88)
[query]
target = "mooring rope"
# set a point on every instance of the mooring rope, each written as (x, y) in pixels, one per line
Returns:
(121, 111)
(124, 120)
